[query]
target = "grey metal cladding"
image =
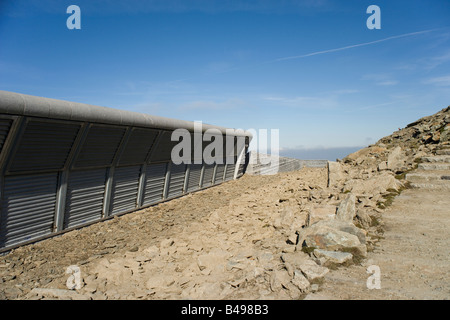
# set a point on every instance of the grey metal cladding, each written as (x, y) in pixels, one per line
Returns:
(165, 147)
(176, 182)
(28, 207)
(154, 183)
(44, 145)
(138, 146)
(5, 125)
(241, 169)
(125, 189)
(85, 195)
(220, 169)
(65, 164)
(229, 173)
(195, 172)
(208, 175)
(100, 146)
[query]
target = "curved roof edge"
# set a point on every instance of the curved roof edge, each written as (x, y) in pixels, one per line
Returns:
(13, 103)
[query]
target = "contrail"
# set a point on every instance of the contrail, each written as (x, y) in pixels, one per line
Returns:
(352, 46)
(316, 53)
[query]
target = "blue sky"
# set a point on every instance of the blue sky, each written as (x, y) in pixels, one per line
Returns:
(311, 69)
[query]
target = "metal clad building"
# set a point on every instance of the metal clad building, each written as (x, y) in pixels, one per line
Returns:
(64, 165)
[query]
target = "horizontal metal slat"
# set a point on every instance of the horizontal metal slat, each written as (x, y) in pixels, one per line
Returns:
(177, 175)
(229, 175)
(138, 146)
(85, 196)
(44, 145)
(220, 168)
(195, 172)
(100, 147)
(34, 216)
(125, 189)
(208, 175)
(154, 184)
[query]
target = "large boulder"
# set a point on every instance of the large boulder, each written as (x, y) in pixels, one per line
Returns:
(333, 224)
(396, 159)
(302, 262)
(375, 185)
(347, 209)
(336, 174)
(335, 240)
(333, 256)
(320, 212)
(334, 235)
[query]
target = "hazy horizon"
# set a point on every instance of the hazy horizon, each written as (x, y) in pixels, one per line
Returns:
(330, 154)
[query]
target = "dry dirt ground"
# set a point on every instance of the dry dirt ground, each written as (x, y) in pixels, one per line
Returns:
(225, 243)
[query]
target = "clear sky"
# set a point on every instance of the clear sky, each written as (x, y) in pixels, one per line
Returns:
(311, 69)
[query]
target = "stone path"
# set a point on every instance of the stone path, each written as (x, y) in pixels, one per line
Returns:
(414, 255)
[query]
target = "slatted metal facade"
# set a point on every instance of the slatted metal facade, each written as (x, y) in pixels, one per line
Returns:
(229, 171)
(195, 173)
(28, 207)
(208, 175)
(65, 165)
(85, 196)
(5, 125)
(220, 170)
(176, 182)
(154, 184)
(125, 189)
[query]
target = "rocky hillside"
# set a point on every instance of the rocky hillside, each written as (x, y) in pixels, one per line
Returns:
(258, 237)
(403, 150)
(365, 183)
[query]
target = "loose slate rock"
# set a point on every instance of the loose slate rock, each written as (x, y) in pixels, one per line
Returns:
(333, 256)
(347, 210)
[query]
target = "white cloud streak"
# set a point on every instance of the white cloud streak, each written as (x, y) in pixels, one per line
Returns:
(353, 46)
(439, 81)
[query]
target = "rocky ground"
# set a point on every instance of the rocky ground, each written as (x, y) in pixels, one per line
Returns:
(308, 234)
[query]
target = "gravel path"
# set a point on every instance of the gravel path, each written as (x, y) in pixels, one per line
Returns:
(413, 257)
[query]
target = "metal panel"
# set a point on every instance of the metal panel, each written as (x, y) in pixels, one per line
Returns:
(154, 183)
(165, 147)
(195, 172)
(220, 169)
(208, 175)
(138, 146)
(28, 207)
(125, 189)
(241, 170)
(176, 183)
(5, 125)
(44, 145)
(100, 146)
(85, 194)
(65, 164)
(229, 174)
